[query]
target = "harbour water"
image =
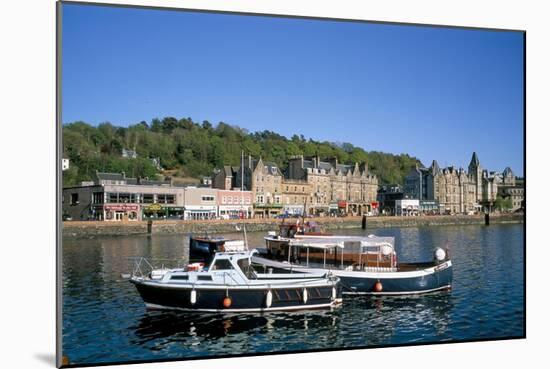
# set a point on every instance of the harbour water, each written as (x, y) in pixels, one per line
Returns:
(105, 320)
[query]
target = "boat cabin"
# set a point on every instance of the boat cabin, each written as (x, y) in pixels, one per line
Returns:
(225, 267)
(203, 249)
(349, 253)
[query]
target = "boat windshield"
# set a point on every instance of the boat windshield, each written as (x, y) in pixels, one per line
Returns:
(246, 268)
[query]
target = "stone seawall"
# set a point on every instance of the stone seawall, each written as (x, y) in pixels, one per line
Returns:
(95, 228)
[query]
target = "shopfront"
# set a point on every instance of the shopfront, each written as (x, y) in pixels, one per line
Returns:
(121, 212)
(158, 211)
(374, 206)
(407, 207)
(429, 207)
(234, 212)
(199, 212)
(296, 210)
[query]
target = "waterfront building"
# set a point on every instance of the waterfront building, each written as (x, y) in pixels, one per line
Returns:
(115, 197)
(296, 196)
(407, 207)
(386, 197)
(511, 187)
(264, 180)
(336, 188)
(206, 181)
(455, 190)
(234, 204)
(224, 178)
(516, 194)
(200, 203)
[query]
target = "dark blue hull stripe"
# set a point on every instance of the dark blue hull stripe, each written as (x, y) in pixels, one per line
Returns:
(426, 283)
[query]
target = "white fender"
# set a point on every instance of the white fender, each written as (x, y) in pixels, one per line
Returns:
(193, 297)
(268, 299)
(305, 295)
(333, 293)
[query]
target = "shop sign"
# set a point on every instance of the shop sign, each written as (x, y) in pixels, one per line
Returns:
(374, 205)
(342, 204)
(122, 207)
(154, 208)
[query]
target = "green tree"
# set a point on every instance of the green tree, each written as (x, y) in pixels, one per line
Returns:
(503, 204)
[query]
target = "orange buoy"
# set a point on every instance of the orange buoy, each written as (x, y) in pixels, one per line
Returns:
(378, 287)
(227, 302)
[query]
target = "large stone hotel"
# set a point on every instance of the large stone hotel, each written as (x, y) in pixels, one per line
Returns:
(460, 191)
(318, 187)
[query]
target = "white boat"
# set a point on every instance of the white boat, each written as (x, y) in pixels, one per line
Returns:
(229, 283)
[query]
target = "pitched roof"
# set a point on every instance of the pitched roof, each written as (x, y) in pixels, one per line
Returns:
(102, 176)
(434, 167)
(228, 171)
(475, 160)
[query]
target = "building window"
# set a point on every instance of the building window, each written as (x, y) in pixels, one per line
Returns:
(126, 197)
(97, 198)
(74, 199)
(148, 198)
(207, 198)
(113, 197)
(229, 200)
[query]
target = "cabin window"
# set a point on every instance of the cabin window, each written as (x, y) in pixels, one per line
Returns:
(221, 264)
(180, 277)
(204, 277)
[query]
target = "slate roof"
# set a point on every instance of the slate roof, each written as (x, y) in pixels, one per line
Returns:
(475, 160)
(110, 176)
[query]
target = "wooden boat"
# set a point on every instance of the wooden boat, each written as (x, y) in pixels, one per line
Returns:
(229, 283)
(365, 265)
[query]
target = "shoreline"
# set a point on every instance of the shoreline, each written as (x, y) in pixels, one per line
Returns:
(87, 229)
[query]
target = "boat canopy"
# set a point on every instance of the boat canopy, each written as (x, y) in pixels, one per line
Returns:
(317, 243)
(375, 241)
(340, 241)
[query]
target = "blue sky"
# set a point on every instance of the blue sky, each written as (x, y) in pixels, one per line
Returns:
(434, 93)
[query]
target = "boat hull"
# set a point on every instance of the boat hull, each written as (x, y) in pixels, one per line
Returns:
(160, 296)
(392, 283)
(431, 278)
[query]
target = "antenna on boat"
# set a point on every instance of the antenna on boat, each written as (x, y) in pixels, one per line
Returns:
(304, 214)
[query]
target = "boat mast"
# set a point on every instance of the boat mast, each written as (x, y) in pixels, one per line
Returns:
(242, 199)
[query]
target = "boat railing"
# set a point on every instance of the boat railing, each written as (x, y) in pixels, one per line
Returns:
(142, 266)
